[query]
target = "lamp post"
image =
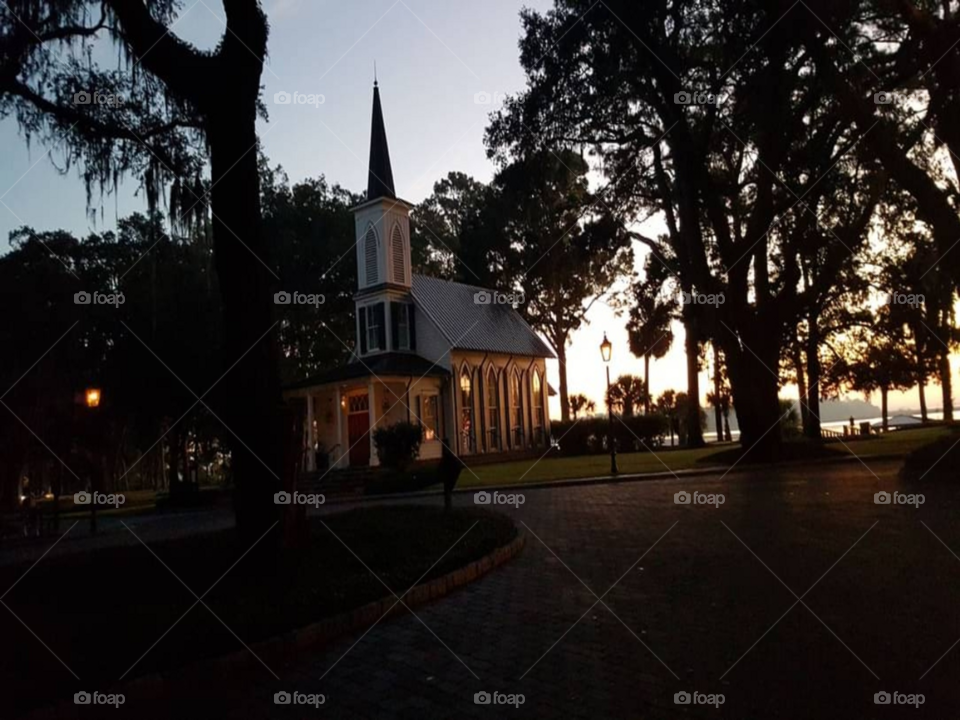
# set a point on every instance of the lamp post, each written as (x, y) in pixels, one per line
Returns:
(91, 398)
(606, 350)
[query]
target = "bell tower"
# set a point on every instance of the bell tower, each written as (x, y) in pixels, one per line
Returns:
(383, 220)
(385, 314)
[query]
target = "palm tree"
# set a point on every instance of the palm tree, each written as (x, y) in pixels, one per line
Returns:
(581, 402)
(627, 393)
(649, 330)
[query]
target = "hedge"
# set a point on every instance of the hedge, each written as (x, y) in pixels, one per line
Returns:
(588, 436)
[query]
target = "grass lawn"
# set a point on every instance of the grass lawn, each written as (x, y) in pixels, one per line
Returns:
(553, 468)
(101, 611)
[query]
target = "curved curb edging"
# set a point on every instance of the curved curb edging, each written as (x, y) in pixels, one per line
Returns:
(159, 686)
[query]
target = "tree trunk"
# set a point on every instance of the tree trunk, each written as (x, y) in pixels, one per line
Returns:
(561, 350)
(947, 386)
(727, 435)
(756, 393)
(812, 427)
(801, 385)
(922, 388)
(884, 391)
(250, 397)
(646, 382)
(694, 434)
(717, 383)
(173, 460)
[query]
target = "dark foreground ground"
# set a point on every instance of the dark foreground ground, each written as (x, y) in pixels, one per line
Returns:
(798, 597)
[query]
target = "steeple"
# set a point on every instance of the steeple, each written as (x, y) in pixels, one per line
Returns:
(380, 177)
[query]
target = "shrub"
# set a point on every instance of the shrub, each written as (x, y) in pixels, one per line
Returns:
(398, 445)
(589, 437)
(420, 476)
(935, 461)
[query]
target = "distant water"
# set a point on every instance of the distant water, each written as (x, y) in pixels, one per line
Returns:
(837, 425)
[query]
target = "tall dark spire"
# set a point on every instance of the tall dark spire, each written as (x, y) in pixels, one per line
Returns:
(380, 178)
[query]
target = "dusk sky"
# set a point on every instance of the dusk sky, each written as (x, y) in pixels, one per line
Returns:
(433, 58)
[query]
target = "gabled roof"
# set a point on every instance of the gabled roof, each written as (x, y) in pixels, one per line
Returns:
(389, 364)
(469, 325)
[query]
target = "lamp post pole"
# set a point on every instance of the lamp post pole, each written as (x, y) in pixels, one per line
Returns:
(92, 402)
(606, 350)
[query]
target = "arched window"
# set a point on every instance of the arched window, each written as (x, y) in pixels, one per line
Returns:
(538, 413)
(397, 255)
(493, 411)
(516, 410)
(466, 411)
(371, 259)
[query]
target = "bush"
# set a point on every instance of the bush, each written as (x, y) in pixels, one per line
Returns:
(398, 445)
(935, 461)
(637, 433)
(420, 476)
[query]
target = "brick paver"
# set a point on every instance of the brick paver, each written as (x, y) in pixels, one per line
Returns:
(684, 613)
(689, 604)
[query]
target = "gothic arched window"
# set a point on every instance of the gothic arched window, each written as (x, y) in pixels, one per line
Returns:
(516, 410)
(493, 411)
(371, 259)
(466, 411)
(397, 255)
(538, 419)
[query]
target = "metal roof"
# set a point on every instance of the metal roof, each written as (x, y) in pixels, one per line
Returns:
(390, 364)
(470, 324)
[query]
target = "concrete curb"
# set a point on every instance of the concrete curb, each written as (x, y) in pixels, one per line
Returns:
(158, 687)
(614, 479)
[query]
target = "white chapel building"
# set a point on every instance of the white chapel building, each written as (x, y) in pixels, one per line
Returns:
(428, 351)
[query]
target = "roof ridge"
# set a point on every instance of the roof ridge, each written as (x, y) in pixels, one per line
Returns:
(453, 282)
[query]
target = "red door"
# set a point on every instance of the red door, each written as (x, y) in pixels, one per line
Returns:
(358, 433)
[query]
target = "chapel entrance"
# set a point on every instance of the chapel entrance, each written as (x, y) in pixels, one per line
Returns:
(358, 430)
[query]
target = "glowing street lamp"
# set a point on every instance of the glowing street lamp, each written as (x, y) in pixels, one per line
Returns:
(92, 397)
(606, 351)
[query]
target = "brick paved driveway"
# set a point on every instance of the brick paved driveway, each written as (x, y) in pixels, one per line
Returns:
(691, 609)
(798, 597)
